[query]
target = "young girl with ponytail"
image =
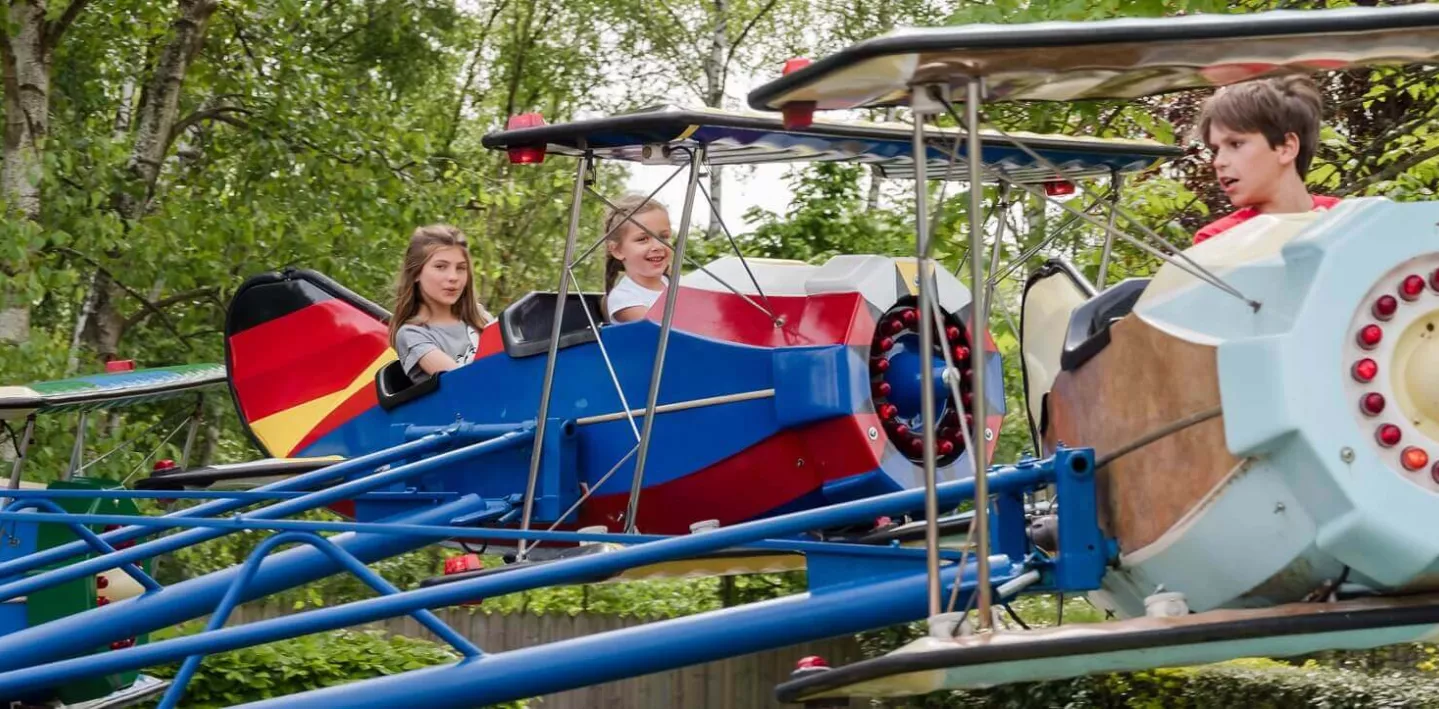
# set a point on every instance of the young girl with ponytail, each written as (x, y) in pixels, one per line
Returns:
(636, 264)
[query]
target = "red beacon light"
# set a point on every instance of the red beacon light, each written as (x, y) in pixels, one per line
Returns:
(120, 365)
(798, 115)
(528, 154)
(1058, 188)
(810, 663)
(1414, 458)
(163, 464)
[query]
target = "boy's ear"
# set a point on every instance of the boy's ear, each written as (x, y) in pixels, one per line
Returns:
(1289, 149)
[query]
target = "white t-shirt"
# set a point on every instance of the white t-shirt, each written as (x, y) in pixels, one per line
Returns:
(628, 294)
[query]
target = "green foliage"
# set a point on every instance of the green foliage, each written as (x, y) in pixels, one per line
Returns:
(827, 217)
(659, 598)
(303, 664)
(1256, 684)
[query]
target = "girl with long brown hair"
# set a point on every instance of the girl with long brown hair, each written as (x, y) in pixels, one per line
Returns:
(437, 320)
(636, 264)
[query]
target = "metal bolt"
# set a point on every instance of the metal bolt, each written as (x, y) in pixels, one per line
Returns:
(873, 433)
(799, 463)
(988, 434)
(1346, 454)
(1278, 507)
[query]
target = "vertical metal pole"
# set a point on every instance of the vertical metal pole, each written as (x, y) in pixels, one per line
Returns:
(977, 327)
(196, 419)
(564, 291)
(1115, 181)
(926, 375)
(77, 454)
(21, 447)
(1003, 213)
(632, 509)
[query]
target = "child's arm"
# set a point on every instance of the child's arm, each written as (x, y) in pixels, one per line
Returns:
(419, 350)
(634, 312)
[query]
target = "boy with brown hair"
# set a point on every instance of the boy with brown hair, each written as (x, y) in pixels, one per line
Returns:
(1263, 135)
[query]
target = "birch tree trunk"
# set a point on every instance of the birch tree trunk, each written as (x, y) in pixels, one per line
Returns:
(714, 68)
(154, 120)
(25, 58)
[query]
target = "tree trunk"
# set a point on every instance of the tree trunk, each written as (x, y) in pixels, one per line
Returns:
(25, 59)
(154, 134)
(714, 67)
(871, 202)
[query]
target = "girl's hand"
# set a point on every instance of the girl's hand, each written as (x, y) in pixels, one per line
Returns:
(436, 361)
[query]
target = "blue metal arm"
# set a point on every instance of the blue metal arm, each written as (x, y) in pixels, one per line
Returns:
(246, 496)
(362, 464)
(86, 535)
(455, 532)
(342, 558)
(558, 573)
(80, 633)
(319, 498)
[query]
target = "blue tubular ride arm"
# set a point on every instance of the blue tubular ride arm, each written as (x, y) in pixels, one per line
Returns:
(88, 537)
(247, 496)
(365, 463)
(17, 651)
(652, 647)
(80, 633)
(341, 557)
(233, 524)
(31, 584)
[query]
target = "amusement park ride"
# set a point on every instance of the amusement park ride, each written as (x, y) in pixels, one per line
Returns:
(1268, 385)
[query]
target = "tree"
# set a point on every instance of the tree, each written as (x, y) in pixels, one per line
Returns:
(28, 42)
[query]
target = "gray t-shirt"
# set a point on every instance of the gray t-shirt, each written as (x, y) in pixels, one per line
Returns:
(415, 341)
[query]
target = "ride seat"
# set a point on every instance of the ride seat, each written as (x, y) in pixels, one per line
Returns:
(525, 325)
(1088, 332)
(394, 387)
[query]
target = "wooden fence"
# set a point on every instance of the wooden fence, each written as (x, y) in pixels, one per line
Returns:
(745, 682)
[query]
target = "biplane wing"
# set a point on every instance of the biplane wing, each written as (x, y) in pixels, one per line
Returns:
(932, 664)
(652, 135)
(107, 391)
(1111, 59)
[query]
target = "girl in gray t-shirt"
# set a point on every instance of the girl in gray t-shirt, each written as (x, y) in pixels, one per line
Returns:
(437, 321)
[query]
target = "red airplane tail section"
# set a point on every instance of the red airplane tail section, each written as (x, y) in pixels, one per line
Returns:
(302, 352)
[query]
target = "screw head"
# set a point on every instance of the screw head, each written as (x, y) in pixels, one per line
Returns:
(873, 433)
(1346, 454)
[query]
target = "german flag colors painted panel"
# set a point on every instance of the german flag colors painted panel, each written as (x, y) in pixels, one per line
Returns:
(302, 353)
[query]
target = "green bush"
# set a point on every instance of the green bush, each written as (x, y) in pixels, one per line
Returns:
(302, 664)
(1251, 684)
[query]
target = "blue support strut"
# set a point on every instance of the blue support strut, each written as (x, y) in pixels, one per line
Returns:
(339, 556)
(80, 633)
(319, 498)
(89, 538)
(362, 464)
(20, 650)
(653, 647)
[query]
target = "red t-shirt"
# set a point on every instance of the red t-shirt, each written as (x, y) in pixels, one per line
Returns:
(1219, 226)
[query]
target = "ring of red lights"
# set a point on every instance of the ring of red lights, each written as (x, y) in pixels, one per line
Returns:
(1406, 298)
(904, 318)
